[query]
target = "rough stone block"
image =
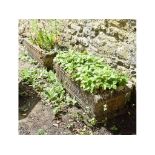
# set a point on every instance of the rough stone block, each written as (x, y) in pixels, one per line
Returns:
(122, 53)
(75, 27)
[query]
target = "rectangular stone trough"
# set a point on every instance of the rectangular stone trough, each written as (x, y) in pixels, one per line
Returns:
(39, 54)
(103, 105)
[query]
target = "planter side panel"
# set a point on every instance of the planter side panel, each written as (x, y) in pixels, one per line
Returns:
(85, 99)
(110, 107)
(39, 54)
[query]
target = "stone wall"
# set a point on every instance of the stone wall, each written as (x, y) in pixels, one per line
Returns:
(115, 40)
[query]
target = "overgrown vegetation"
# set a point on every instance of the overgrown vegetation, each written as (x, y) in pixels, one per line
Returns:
(90, 71)
(44, 34)
(52, 92)
(48, 86)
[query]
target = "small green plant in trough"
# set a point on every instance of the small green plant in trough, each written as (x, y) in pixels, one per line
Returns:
(42, 35)
(90, 71)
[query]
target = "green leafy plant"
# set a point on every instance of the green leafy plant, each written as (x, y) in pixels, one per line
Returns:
(51, 90)
(28, 76)
(42, 34)
(41, 132)
(90, 71)
(92, 121)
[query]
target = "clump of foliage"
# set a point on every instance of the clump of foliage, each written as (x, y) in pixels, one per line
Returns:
(90, 71)
(51, 90)
(43, 34)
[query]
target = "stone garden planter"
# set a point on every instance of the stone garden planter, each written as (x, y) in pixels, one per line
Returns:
(39, 55)
(102, 105)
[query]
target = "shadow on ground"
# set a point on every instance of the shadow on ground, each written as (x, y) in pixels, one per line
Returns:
(28, 98)
(124, 124)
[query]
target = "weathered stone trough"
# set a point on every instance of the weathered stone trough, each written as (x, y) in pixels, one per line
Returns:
(102, 105)
(44, 58)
